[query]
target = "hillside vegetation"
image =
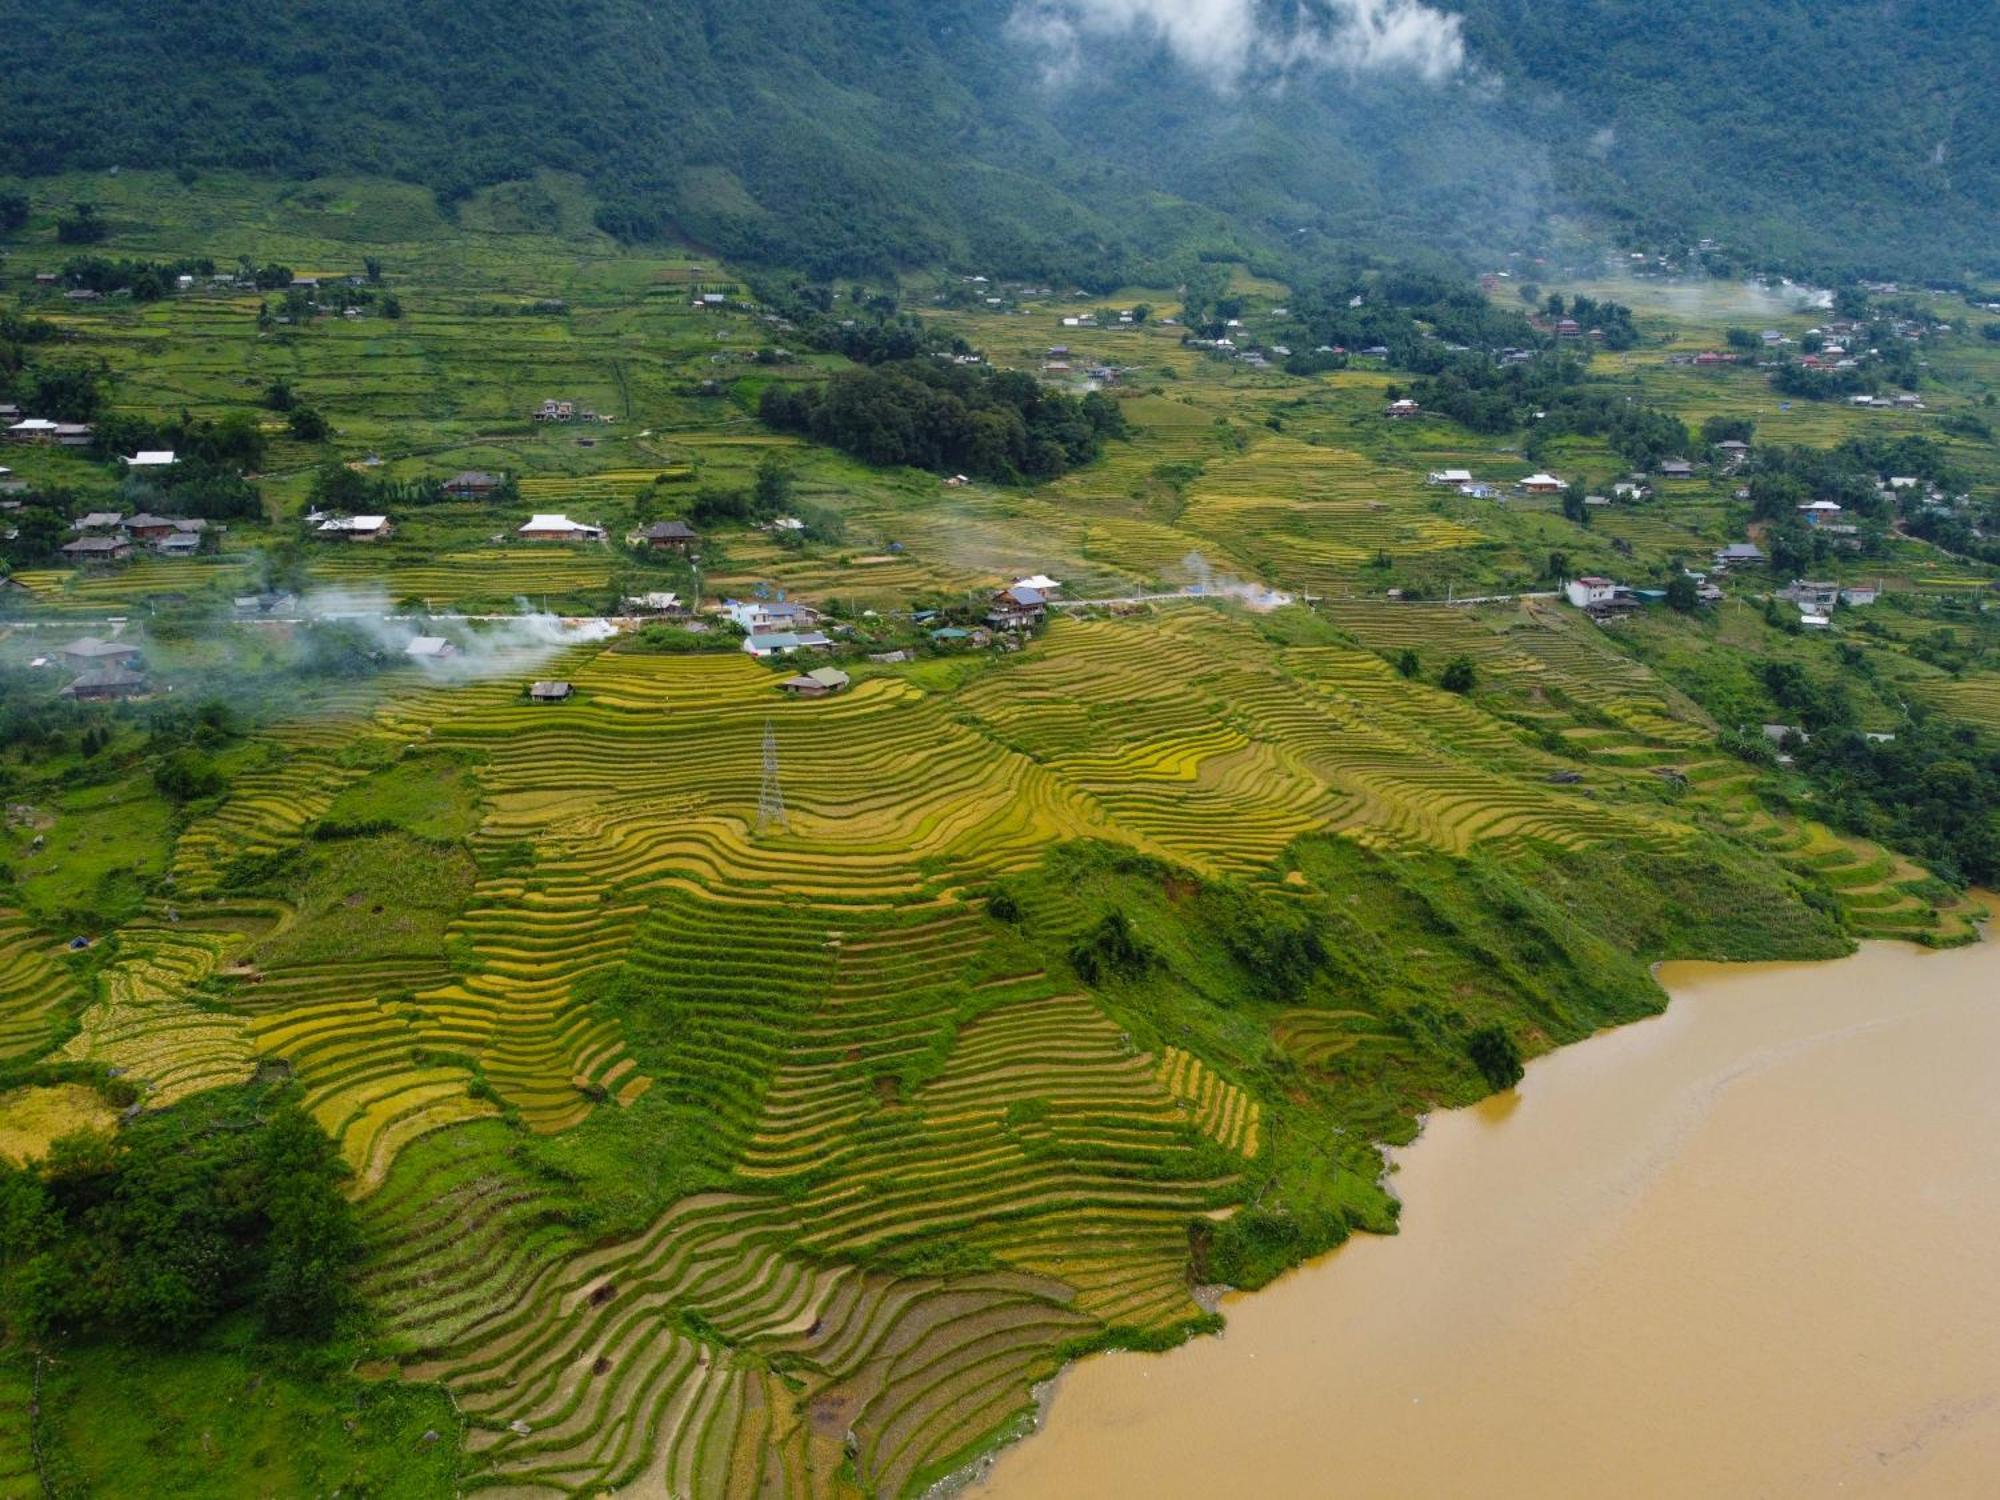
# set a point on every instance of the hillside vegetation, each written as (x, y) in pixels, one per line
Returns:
(860, 134)
(678, 1144)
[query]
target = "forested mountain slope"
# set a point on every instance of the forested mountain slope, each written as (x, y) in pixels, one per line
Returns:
(1053, 137)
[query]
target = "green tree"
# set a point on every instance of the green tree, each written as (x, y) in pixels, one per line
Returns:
(13, 211)
(82, 225)
(310, 1241)
(1460, 675)
(188, 776)
(1681, 594)
(308, 425)
(1408, 663)
(1493, 1052)
(773, 490)
(1557, 567)
(335, 487)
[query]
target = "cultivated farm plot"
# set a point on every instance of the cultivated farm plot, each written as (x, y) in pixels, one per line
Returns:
(1975, 699)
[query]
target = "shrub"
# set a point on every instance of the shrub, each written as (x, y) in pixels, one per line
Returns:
(1110, 950)
(1493, 1052)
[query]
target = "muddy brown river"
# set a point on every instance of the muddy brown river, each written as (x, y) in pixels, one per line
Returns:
(1750, 1247)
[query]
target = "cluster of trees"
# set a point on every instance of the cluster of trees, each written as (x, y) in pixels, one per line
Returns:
(1934, 789)
(1495, 399)
(82, 224)
(999, 425)
(230, 1201)
(785, 135)
(870, 330)
(145, 280)
(64, 391)
(1417, 316)
(336, 487)
(1611, 319)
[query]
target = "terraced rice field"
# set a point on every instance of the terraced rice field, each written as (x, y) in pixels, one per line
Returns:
(148, 1027)
(35, 989)
(1975, 698)
(500, 573)
(928, 1166)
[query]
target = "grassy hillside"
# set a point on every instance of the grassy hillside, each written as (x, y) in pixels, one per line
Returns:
(841, 135)
(688, 1148)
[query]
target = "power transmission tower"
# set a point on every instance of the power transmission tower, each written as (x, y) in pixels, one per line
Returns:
(771, 798)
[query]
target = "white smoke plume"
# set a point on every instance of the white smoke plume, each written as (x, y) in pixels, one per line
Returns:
(481, 648)
(1207, 582)
(1231, 40)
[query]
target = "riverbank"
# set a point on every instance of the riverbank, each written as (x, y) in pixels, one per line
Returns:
(1740, 1248)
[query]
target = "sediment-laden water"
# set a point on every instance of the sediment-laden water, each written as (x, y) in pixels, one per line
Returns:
(1748, 1248)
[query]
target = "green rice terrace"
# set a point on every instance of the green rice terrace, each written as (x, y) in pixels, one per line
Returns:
(709, 1081)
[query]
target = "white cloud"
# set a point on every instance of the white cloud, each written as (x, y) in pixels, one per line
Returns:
(1231, 40)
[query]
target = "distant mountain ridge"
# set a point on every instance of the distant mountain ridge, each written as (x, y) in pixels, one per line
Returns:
(836, 135)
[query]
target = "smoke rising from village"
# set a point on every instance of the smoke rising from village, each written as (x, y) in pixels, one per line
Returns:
(1230, 41)
(478, 648)
(1209, 582)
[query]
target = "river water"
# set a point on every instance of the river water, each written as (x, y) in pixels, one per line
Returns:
(1750, 1247)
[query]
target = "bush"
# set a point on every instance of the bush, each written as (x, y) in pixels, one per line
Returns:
(1493, 1052)
(225, 1202)
(1110, 950)
(188, 776)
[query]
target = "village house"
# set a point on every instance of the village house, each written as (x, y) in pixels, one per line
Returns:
(666, 536)
(88, 651)
(1589, 592)
(356, 528)
(150, 458)
(1676, 468)
(103, 683)
(473, 484)
(1817, 512)
(1738, 554)
(1860, 597)
(762, 617)
(1403, 408)
(178, 544)
(550, 692)
(1040, 582)
(1450, 476)
(558, 528)
(98, 520)
(266, 605)
(1814, 598)
(32, 430)
(74, 434)
(428, 648)
(1017, 608)
(1543, 484)
(98, 549)
(815, 684)
(764, 645)
(656, 602)
(157, 529)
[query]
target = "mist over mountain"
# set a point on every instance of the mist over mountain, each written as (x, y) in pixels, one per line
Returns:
(1090, 139)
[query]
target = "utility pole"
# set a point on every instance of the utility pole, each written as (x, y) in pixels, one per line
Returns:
(771, 797)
